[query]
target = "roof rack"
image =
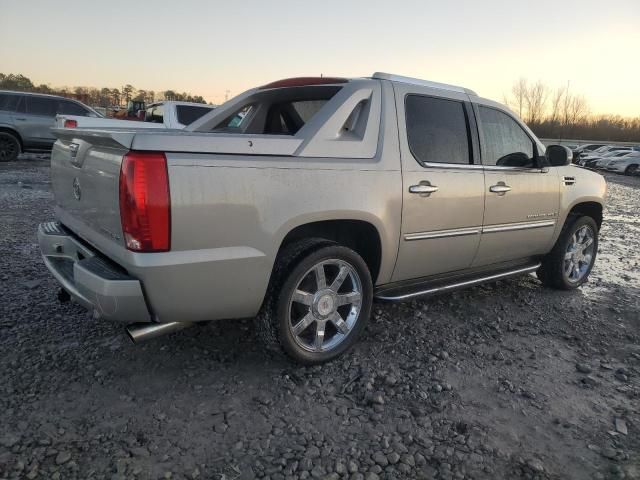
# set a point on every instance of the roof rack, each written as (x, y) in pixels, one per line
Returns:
(423, 83)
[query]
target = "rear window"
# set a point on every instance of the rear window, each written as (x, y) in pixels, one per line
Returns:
(155, 114)
(282, 111)
(9, 102)
(190, 113)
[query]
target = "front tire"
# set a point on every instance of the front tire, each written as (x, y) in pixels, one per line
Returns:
(320, 304)
(569, 264)
(9, 147)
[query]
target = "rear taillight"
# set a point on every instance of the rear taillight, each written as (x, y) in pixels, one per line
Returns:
(70, 123)
(144, 202)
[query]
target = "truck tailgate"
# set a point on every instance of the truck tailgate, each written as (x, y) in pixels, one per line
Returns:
(85, 172)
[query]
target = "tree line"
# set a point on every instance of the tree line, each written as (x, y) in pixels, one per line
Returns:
(561, 113)
(96, 97)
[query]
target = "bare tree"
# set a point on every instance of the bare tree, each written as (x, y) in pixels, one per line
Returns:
(535, 99)
(519, 92)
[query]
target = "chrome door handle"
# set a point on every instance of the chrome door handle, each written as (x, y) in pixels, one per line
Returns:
(423, 188)
(500, 188)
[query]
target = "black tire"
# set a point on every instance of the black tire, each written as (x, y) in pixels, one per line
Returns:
(631, 170)
(552, 272)
(292, 266)
(9, 147)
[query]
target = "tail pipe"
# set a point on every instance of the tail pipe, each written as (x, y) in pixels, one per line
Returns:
(139, 332)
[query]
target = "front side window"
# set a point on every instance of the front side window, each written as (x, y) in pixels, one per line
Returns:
(155, 114)
(504, 142)
(437, 130)
(41, 106)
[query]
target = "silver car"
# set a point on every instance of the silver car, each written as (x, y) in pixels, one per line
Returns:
(26, 120)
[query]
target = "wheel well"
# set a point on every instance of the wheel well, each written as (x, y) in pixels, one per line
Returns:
(590, 209)
(358, 235)
(15, 134)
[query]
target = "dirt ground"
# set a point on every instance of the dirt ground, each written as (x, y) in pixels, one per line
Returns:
(508, 380)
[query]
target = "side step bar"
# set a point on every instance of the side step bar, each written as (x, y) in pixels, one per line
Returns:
(399, 293)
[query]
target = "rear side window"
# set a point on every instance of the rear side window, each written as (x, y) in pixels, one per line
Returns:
(190, 113)
(9, 102)
(71, 108)
(437, 130)
(41, 106)
(504, 142)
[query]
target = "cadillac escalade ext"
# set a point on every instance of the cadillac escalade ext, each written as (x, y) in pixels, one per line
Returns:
(302, 201)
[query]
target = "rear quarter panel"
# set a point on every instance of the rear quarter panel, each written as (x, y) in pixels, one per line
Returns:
(231, 213)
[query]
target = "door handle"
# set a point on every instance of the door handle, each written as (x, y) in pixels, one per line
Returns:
(500, 188)
(423, 188)
(21, 119)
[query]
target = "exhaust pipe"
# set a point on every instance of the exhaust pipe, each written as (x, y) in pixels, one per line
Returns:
(139, 332)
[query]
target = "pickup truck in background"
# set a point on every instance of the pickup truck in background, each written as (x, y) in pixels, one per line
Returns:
(166, 114)
(301, 201)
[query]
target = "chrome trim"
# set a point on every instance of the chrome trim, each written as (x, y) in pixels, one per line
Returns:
(496, 168)
(459, 285)
(510, 227)
(456, 232)
(488, 168)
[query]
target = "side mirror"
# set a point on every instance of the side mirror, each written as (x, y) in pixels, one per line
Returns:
(558, 155)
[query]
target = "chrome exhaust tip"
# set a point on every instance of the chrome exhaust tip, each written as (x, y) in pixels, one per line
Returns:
(139, 332)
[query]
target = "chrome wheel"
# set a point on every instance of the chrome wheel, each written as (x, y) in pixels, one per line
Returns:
(325, 305)
(579, 254)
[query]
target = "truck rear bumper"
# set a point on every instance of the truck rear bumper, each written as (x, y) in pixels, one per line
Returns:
(97, 284)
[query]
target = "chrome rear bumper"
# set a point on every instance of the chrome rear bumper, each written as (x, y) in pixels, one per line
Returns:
(97, 284)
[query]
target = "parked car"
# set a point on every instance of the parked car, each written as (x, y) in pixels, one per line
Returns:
(599, 152)
(628, 164)
(303, 200)
(602, 153)
(167, 114)
(26, 120)
(587, 148)
(599, 162)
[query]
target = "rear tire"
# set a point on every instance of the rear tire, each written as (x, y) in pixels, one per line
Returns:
(569, 263)
(631, 170)
(9, 147)
(318, 303)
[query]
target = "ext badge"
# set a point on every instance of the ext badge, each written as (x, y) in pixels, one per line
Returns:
(77, 193)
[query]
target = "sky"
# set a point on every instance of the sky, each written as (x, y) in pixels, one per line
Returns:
(216, 48)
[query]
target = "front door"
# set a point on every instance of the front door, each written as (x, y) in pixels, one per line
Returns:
(522, 199)
(443, 187)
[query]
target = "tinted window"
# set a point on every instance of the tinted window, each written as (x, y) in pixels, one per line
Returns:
(189, 113)
(437, 130)
(71, 108)
(41, 106)
(504, 142)
(8, 102)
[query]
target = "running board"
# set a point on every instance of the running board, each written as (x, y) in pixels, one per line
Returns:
(397, 293)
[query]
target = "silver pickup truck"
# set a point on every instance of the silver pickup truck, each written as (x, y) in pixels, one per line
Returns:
(301, 201)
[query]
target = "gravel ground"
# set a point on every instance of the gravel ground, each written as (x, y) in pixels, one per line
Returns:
(508, 380)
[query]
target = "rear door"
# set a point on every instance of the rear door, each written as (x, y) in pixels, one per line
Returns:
(34, 118)
(522, 199)
(443, 186)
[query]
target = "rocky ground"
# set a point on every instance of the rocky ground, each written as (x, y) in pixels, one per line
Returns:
(508, 380)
